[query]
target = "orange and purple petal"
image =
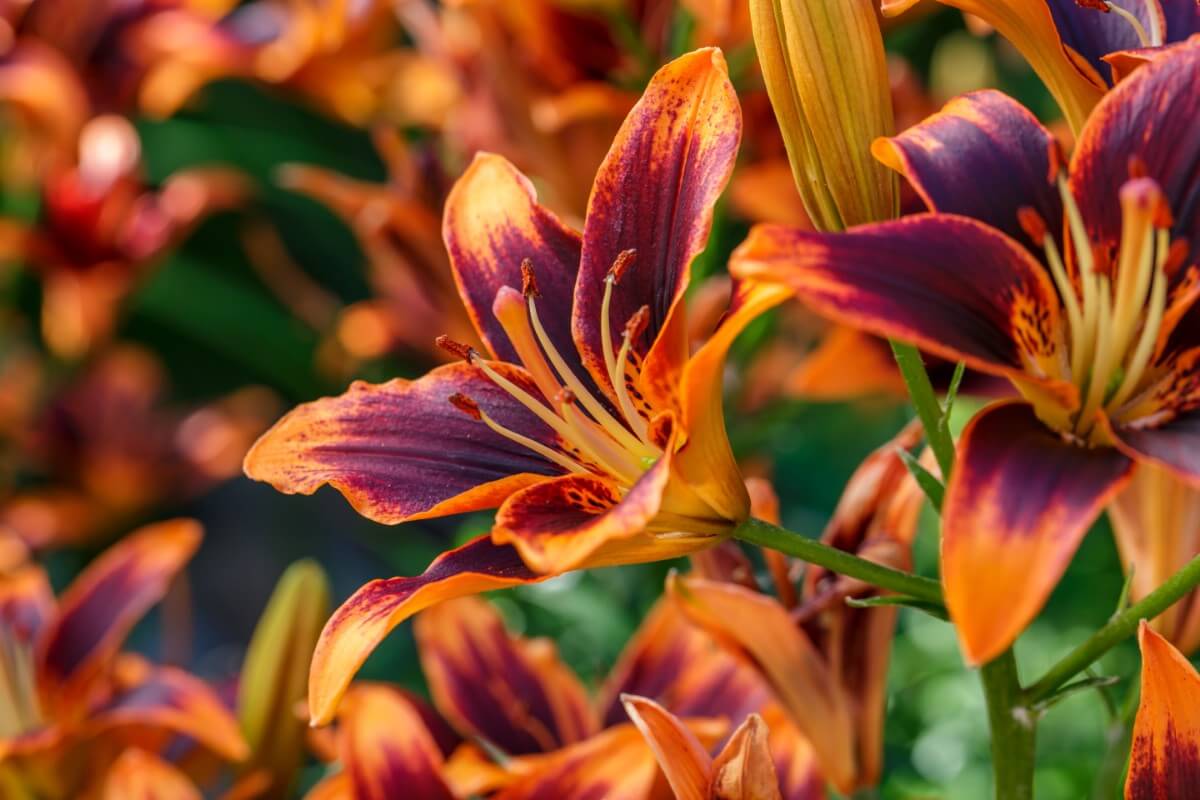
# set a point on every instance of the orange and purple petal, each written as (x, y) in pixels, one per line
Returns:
(363, 621)
(683, 760)
(1092, 34)
(1175, 445)
(1150, 120)
(1018, 504)
(744, 769)
(951, 285)
(104, 602)
(516, 696)
(655, 194)
(983, 156)
(400, 450)
(492, 223)
(1164, 762)
(140, 775)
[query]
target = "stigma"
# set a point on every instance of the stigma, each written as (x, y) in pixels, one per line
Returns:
(1114, 307)
(598, 434)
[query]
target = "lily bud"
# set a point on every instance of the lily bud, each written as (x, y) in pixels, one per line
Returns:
(274, 677)
(826, 75)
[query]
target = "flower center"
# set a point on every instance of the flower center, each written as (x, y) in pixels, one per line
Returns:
(1114, 311)
(597, 438)
(20, 711)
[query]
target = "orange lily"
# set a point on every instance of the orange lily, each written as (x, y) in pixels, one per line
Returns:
(1165, 760)
(70, 697)
(1101, 343)
(599, 449)
(1079, 49)
(825, 662)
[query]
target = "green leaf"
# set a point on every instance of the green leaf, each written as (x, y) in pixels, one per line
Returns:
(929, 483)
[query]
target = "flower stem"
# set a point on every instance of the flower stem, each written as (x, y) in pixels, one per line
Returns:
(924, 400)
(1013, 729)
(1119, 628)
(764, 534)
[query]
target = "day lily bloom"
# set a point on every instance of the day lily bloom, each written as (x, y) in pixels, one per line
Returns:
(585, 419)
(1079, 48)
(513, 696)
(1093, 324)
(1156, 522)
(69, 695)
(1165, 759)
(826, 662)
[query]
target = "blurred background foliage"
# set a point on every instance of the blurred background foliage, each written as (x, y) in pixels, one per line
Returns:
(215, 326)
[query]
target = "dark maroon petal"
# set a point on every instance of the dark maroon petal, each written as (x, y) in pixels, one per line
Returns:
(984, 156)
(1094, 34)
(1151, 118)
(1175, 445)
(1182, 18)
(400, 450)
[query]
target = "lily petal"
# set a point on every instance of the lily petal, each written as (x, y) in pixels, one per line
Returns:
(169, 699)
(743, 770)
(1165, 759)
(1093, 34)
(100, 607)
(655, 194)
(1120, 132)
(373, 611)
(683, 760)
(983, 156)
(1019, 502)
(139, 775)
(1174, 446)
(515, 694)
(399, 450)
(795, 762)
(763, 630)
(386, 749)
(951, 285)
(492, 223)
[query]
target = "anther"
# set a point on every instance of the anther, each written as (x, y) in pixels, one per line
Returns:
(1177, 255)
(566, 397)
(463, 351)
(529, 287)
(1098, 5)
(466, 405)
(1057, 159)
(1137, 167)
(637, 323)
(621, 265)
(1032, 223)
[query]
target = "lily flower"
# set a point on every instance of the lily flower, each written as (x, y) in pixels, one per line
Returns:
(1100, 340)
(585, 419)
(503, 694)
(825, 662)
(1164, 762)
(69, 695)
(1080, 48)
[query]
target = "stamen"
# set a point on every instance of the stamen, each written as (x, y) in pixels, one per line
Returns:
(1035, 228)
(633, 328)
(1085, 267)
(463, 351)
(619, 267)
(1149, 336)
(622, 263)
(1106, 6)
(466, 405)
(512, 312)
(472, 409)
(1176, 256)
(529, 287)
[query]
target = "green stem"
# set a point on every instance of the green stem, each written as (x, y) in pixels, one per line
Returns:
(1110, 777)
(924, 400)
(764, 534)
(1119, 628)
(1013, 729)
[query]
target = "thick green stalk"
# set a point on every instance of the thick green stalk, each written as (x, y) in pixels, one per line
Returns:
(764, 534)
(1013, 729)
(924, 400)
(1119, 628)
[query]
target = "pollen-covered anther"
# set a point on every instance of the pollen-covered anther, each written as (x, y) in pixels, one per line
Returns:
(1137, 167)
(466, 405)
(1032, 223)
(637, 323)
(455, 348)
(566, 397)
(1098, 5)
(1177, 255)
(1145, 195)
(619, 266)
(529, 286)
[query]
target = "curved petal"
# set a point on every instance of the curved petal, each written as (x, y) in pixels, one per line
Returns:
(492, 223)
(655, 193)
(400, 450)
(1150, 117)
(706, 462)
(984, 156)
(139, 775)
(764, 631)
(744, 770)
(559, 525)
(1093, 34)
(100, 607)
(385, 748)
(953, 286)
(683, 760)
(795, 762)
(169, 699)
(1164, 761)
(1174, 446)
(1019, 502)
(373, 611)
(515, 694)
